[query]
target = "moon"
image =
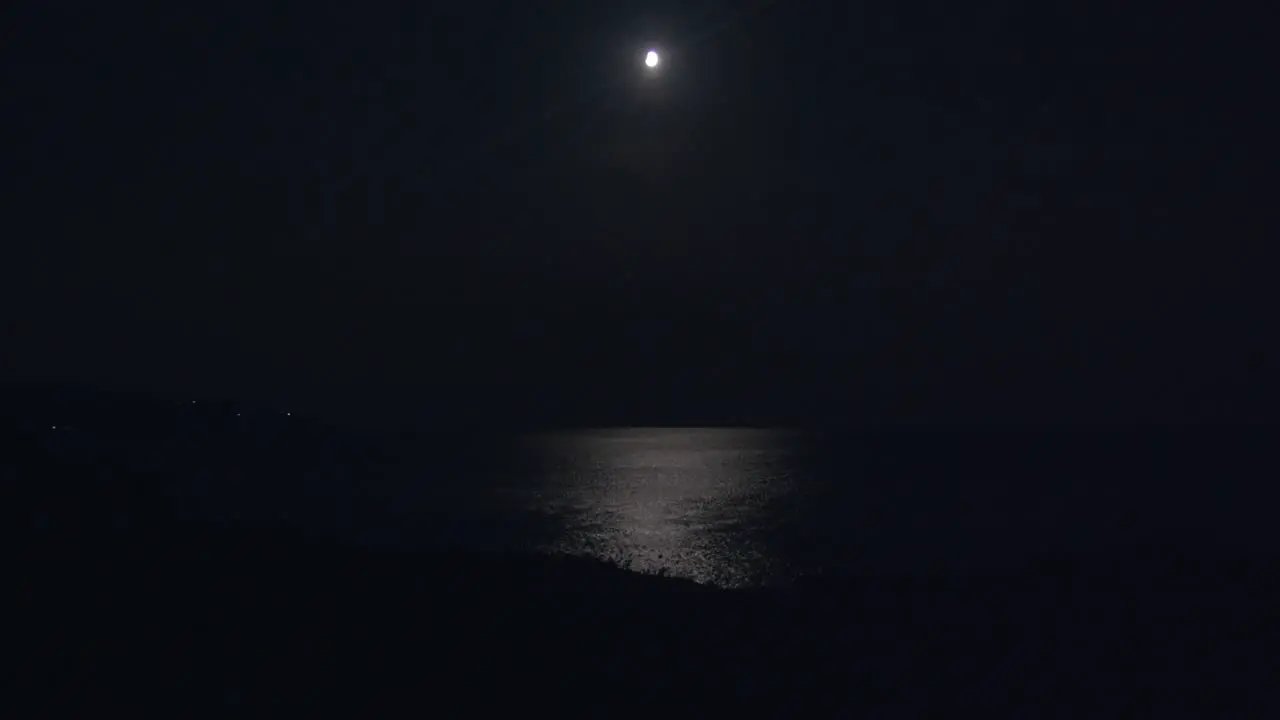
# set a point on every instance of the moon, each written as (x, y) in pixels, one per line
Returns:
(651, 59)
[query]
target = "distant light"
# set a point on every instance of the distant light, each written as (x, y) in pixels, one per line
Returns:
(289, 414)
(651, 59)
(237, 414)
(55, 427)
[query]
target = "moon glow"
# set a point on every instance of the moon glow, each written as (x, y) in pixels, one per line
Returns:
(651, 59)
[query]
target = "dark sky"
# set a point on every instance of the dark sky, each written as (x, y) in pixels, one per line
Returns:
(873, 210)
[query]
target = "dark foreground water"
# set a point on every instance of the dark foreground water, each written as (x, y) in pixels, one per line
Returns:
(161, 615)
(739, 507)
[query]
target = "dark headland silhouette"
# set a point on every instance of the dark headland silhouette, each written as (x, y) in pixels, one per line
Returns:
(131, 600)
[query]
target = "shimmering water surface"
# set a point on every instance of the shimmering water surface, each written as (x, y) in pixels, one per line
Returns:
(739, 507)
(700, 503)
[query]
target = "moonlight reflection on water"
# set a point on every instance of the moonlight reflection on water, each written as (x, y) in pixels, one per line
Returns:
(669, 500)
(738, 507)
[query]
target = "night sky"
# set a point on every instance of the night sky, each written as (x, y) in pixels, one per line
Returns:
(874, 211)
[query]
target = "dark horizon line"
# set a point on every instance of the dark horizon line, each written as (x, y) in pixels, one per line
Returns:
(376, 412)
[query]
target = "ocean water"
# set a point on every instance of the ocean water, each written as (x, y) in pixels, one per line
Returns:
(743, 507)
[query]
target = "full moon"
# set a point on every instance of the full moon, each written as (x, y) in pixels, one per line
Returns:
(651, 59)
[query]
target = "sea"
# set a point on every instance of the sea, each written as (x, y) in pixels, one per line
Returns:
(741, 507)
